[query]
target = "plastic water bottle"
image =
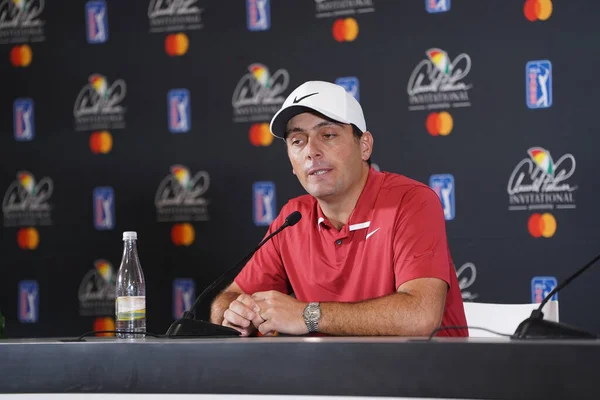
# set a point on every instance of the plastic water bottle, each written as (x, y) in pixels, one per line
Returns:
(130, 302)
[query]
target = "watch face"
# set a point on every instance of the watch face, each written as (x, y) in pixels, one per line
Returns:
(313, 313)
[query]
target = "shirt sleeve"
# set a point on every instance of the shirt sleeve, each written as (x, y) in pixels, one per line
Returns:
(420, 242)
(265, 269)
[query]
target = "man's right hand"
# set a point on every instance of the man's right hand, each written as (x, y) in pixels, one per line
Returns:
(243, 315)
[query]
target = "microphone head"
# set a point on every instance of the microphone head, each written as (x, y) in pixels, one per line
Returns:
(293, 218)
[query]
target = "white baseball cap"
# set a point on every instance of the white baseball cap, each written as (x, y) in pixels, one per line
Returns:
(327, 98)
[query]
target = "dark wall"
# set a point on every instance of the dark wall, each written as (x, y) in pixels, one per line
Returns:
(86, 157)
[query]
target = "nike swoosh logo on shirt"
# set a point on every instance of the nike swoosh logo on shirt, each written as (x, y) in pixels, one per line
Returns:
(370, 233)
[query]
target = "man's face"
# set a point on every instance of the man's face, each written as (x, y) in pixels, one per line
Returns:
(325, 156)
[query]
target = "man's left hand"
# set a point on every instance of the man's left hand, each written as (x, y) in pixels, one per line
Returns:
(282, 313)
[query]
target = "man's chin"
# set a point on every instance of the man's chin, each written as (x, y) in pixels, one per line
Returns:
(321, 193)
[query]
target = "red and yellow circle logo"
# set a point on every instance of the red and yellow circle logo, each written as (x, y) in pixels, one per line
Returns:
(538, 9)
(542, 225)
(345, 30)
(104, 324)
(183, 234)
(260, 135)
(176, 44)
(20, 56)
(28, 238)
(439, 123)
(101, 142)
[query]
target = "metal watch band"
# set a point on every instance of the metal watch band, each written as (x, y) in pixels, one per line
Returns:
(312, 324)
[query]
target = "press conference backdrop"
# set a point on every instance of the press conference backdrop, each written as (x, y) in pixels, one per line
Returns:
(152, 115)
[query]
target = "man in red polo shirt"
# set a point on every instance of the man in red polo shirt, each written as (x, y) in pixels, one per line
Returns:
(370, 254)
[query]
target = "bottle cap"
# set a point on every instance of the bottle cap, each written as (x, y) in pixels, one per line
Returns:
(129, 235)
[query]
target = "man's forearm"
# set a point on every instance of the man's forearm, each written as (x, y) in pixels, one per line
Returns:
(399, 314)
(220, 304)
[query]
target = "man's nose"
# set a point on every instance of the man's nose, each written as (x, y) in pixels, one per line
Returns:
(313, 149)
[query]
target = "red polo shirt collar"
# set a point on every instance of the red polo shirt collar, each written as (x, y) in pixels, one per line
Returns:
(361, 215)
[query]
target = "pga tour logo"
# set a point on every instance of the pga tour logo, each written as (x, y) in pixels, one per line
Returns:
(28, 301)
(263, 199)
(184, 292)
(443, 185)
(538, 84)
(541, 286)
(350, 83)
(96, 22)
(179, 111)
(23, 121)
(258, 15)
(104, 208)
(437, 6)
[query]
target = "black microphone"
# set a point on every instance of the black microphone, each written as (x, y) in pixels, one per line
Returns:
(189, 326)
(536, 327)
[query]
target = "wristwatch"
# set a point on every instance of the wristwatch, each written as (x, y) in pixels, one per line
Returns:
(312, 315)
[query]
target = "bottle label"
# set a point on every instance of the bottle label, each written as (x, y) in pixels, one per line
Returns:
(131, 307)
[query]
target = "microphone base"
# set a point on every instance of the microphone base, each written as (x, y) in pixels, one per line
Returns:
(538, 328)
(188, 328)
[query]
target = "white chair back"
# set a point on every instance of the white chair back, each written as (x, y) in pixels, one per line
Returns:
(503, 318)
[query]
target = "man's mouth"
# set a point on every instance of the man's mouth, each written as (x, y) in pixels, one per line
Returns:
(318, 171)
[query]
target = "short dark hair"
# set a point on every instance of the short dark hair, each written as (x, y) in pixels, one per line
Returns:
(357, 135)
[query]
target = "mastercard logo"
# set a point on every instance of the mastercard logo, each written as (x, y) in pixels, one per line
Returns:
(101, 142)
(20, 56)
(537, 10)
(439, 123)
(104, 324)
(182, 234)
(28, 238)
(176, 44)
(345, 30)
(260, 135)
(542, 225)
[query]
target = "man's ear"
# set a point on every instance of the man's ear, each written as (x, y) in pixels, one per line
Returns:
(366, 145)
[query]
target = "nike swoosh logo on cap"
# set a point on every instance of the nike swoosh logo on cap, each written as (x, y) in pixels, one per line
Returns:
(298, 100)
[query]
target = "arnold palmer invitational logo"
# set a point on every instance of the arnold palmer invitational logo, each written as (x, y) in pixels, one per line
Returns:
(540, 183)
(174, 15)
(26, 201)
(20, 21)
(97, 290)
(466, 275)
(336, 8)
(259, 94)
(438, 82)
(98, 104)
(180, 196)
